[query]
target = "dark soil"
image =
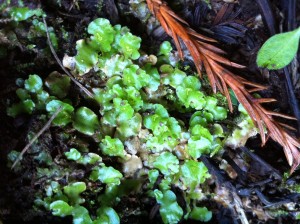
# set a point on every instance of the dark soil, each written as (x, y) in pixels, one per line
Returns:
(240, 32)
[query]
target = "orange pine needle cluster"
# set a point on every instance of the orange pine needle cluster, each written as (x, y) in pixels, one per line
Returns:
(206, 55)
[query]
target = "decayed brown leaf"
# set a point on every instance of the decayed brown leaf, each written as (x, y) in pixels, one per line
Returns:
(207, 55)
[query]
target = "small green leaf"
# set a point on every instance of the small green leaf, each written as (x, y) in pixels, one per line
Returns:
(107, 215)
(81, 215)
(26, 106)
(73, 192)
(191, 82)
(167, 163)
(165, 183)
(193, 173)
(191, 98)
(165, 48)
(130, 45)
(58, 84)
(64, 116)
(153, 175)
(199, 131)
(279, 50)
(219, 113)
(175, 78)
(107, 175)
(166, 69)
(134, 98)
(136, 77)
(23, 94)
(112, 146)
(113, 65)
(169, 209)
(200, 214)
(153, 122)
(61, 208)
(73, 154)
(85, 121)
(211, 103)
(42, 97)
(90, 158)
(125, 112)
(129, 128)
(103, 33)
(198, 146)
(154, 81)
(87, 56)
(23, 13)
(33, 84)
(202, 118)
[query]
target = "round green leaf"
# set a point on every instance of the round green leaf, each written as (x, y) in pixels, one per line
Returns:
(26, 106)
(130, 45)
(87, 56)
(74, 190)
(193, 173)
(64, 116)
(58, 84)
(33, 84)
(165, 48)
(198, 146)
(167, 163)
(112, 146)
(103, 33)
(81, 215)
(107, 175)
(200, 214)
(73, 154)
(85, 121)
(61, 208)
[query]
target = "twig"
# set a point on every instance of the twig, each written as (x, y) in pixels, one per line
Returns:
(268, 16)
(239, 208)
(223, 182)
(292, 98)
(61, 65)
(271, 170)
(47, 125)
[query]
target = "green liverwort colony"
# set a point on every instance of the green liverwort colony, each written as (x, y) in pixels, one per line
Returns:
(141, 102)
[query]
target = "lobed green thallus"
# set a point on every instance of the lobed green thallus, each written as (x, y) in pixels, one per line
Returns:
(134, 125)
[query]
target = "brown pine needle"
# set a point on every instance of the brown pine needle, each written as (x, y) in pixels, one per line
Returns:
(211, 58)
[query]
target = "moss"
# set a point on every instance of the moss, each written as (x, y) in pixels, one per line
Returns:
(134, 128)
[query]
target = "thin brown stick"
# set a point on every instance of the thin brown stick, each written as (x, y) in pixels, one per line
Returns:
(46, 126)
(87, 92)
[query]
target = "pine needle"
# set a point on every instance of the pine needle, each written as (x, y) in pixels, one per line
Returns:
(207, 56)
